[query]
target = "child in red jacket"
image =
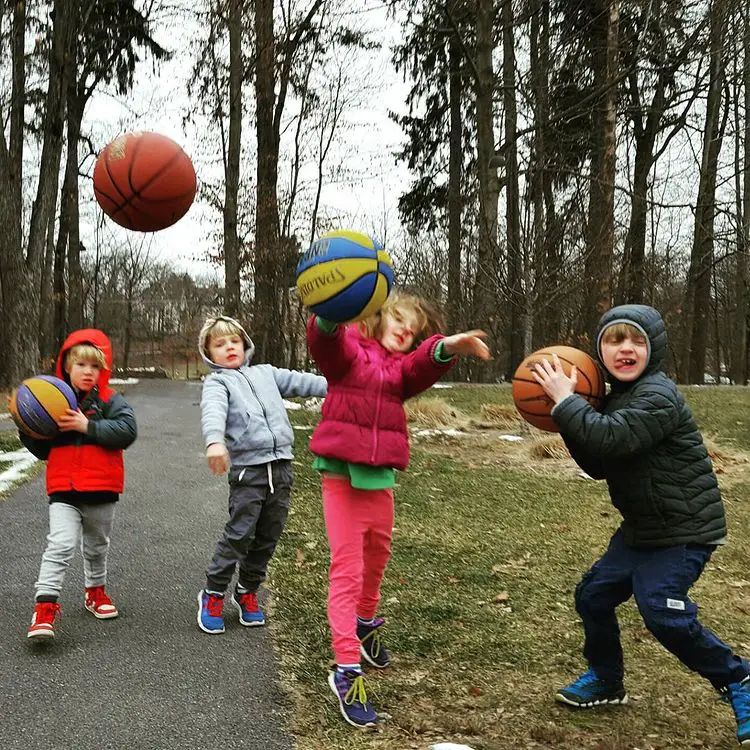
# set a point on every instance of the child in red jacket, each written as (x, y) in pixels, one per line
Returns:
(84, 475)
(360, 441)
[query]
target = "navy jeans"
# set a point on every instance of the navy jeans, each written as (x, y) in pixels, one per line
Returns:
(659, 579)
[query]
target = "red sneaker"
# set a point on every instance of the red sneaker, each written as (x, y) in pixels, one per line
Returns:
(43, 620)
(98, 603)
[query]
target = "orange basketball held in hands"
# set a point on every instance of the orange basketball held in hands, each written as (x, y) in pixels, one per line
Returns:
(534, 405)
(144, 181)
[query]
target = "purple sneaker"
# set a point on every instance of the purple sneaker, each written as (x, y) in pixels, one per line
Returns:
(370, 644)
(349, 688)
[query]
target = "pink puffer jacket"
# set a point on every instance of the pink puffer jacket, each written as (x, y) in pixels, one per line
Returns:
(363, 414)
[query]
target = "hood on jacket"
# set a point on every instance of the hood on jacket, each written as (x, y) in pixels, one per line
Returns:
(203, 335)
(648, 321)
(96, 338)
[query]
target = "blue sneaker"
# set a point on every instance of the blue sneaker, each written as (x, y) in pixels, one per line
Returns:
(738, 695)
(209, 612)
(371, 645)
(251, 615)
(588, 691)
(349, 688)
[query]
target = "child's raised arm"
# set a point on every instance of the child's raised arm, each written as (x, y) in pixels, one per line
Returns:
(331, 347)
(436, 355)
(295, 383)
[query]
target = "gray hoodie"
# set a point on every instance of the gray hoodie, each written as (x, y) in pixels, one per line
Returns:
(243, 408)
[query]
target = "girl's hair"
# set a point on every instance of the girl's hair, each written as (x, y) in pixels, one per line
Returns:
(619, 331)
(85, 353)
(429, 318)
(223, 327)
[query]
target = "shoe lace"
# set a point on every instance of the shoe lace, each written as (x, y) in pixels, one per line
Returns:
(98, 595)
(46, 610)
(214, 605)
(248, 601)
(586, 679)
(738, 697)
(375, 642)
(356, 692)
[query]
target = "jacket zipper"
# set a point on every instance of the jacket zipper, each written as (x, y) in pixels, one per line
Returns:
(377, 417)
(263, 409)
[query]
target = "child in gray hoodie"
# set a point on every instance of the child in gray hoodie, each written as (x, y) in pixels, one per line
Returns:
(246, 432)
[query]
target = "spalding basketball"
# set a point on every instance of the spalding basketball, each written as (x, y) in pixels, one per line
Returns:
(144, 181)
(37, 404)
(344, 276)
(534, 405)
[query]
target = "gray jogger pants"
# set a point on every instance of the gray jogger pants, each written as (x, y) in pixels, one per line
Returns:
(258, 509)
(91, 524)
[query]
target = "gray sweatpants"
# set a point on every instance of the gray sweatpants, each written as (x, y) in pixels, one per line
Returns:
(89, 524)
(258, 509)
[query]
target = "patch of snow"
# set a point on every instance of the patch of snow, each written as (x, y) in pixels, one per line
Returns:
(124, 381)
(442, 385)
(303, 427)
(21, 460)
(5, 416)
(313, 403)
(584, 475)
(449, 431)
(449, 746)
(291, 405)
(511, 438)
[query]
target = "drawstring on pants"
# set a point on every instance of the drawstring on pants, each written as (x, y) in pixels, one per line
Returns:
(270, 477)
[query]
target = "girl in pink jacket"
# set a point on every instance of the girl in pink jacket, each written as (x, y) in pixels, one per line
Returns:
(362, 438)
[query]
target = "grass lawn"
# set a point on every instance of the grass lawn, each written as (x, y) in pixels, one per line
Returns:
(491, 537)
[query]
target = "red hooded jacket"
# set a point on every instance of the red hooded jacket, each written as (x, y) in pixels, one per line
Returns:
(363, 415)
(91, 462)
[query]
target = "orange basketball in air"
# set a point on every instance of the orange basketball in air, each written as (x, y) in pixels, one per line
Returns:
(144, 181)
(534, 405)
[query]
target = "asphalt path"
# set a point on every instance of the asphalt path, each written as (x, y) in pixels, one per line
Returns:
(149, 679)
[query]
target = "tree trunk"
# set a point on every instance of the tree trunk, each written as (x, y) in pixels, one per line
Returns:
(75, 280)
(600, 229)
(455, 161)
(740, 322)
(266, 305)
(485, 290)
(698, 293)
(512, 215)
(19, 277)
(232, 295)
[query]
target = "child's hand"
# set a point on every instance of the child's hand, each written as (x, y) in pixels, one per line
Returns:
(74, 420)
(467, 343)
(218, 458)
(551, 376)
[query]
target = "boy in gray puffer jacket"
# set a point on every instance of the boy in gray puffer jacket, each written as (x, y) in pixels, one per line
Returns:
(246, 432)
(645, 443)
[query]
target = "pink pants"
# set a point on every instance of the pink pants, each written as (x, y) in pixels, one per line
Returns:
(359, 524)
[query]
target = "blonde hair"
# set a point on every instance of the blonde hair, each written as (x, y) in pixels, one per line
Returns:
(620, 331)
(85, 353)
(223, 327)
(428, 318)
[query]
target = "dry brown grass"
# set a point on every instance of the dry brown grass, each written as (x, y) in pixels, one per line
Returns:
(547, 445)
(434, 412)
(726, 459)
(500, 415)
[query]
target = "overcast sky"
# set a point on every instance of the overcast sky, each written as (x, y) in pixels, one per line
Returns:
(159, 102)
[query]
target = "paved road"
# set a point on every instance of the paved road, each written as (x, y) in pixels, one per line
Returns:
(148, 680)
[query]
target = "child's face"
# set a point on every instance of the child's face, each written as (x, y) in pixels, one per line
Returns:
(84, 374)
(625, 359)
(227, 351)
(397, 330)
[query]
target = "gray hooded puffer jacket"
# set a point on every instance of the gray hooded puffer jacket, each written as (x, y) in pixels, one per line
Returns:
(646, 444)
(243, 407)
